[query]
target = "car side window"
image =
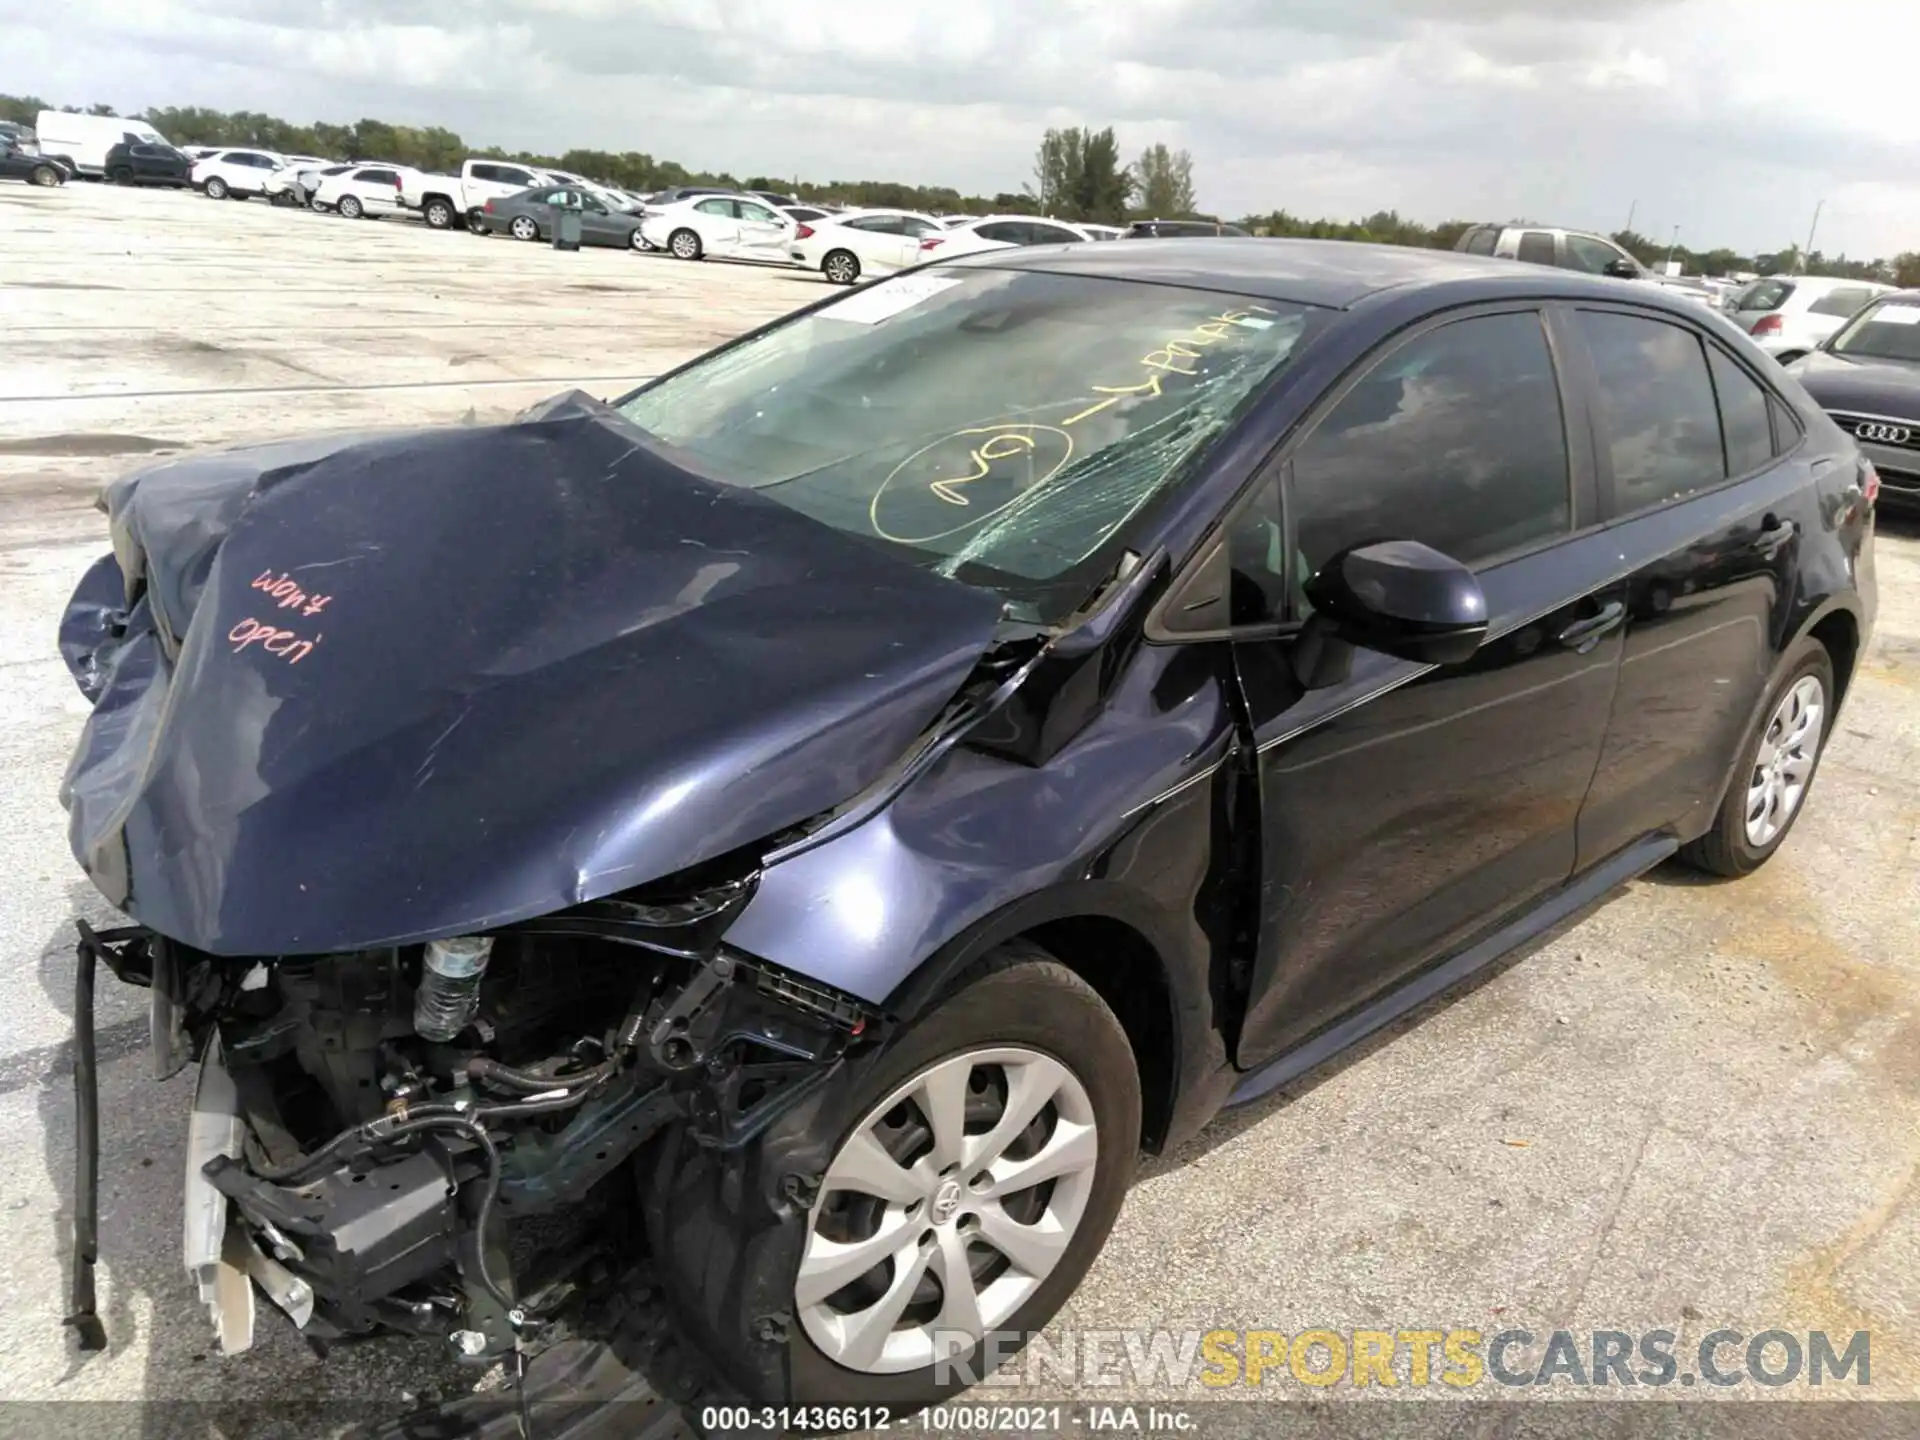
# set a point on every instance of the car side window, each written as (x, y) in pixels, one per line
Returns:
(750, 211)
(1654, 408)
(1536, 247)
(1744, 426)
(1842, 301)
(1455, 439)
(1007, 232)
(715, 207)
(914, 227)
(511, 176)
(1052, 235)
(1590, 256)
(1481, 241)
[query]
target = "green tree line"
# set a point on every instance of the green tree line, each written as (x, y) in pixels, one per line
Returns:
(1078, 175)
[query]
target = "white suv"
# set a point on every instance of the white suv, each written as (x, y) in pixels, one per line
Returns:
(235, 174)
(365, 190)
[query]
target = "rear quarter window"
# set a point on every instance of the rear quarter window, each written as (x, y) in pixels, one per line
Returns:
(1536, 247)
(1841, 302)
(1767, 295)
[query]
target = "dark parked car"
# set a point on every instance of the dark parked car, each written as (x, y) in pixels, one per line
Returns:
(1866, 375)
(530, 216)
(136, 162)
(844, 828)
(20, 163)
(1177, 229)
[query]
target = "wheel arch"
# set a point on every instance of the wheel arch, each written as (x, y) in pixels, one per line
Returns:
(1838, 628)
(1097, 931)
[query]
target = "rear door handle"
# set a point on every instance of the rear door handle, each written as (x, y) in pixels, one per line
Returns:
(1774, 534)
(1582, 635)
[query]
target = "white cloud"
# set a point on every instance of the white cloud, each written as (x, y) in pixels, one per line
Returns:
(1728, 122)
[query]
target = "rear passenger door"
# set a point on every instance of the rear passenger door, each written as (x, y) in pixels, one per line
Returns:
(1707, 503)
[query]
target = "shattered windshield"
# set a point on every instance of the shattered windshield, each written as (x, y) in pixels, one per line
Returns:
(996, 426)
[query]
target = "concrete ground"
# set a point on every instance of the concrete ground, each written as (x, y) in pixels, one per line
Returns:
(1698, 1108)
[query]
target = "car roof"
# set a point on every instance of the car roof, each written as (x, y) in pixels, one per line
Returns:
(1335, 273)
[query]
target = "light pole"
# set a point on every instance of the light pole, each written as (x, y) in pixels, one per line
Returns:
(1630, 209)
(1672, 243)
(1815, 225)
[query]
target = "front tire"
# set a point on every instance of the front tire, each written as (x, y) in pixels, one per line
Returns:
(351, 207)
(970, 1173)
(842, 267)
(684, 245)
(1777, 764)
(216, 189)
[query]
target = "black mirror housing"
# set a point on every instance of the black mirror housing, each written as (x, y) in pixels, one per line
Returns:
(1623, 270)
(1404, 599)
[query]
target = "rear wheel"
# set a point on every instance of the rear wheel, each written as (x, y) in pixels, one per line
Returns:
(1777, 765)
(119, 175)
(684, 245)
(970, 1176)
(437, 213)
(476, 221)
(635, 242)
(216, 188)
(524, 228)
(351, 207)
(842, 267)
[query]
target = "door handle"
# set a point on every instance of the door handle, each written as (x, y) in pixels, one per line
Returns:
(1774, 535)
(1582, 635)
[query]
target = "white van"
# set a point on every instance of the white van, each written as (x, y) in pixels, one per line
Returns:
(83, 140)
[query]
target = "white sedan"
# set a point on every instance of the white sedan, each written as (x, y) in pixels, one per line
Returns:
(999, 232)
(360, 191)
(730, 227)
(853, 243)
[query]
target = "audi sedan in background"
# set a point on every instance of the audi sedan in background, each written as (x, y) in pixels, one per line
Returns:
(1867, 377)
(1107, 682)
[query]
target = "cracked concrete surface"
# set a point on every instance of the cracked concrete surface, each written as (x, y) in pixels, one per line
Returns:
(1697, 1108)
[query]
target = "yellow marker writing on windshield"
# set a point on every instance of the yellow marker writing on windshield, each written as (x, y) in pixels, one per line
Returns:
(1000, 447)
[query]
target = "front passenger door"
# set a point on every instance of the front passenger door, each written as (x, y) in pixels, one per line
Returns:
(1407, 809)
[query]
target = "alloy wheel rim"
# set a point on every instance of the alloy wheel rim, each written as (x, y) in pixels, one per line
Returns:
(1783, 765)
(683, 245)
(945, 1209)
(838, 269)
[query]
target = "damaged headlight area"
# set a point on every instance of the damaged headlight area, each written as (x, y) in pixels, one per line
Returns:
(368, 1125)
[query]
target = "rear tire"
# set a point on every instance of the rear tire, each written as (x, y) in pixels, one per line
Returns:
(216, 189)
(438, 214)
(1776, 769)
(634, 242)
(350, 207)
(732, 1255)
(842, 267)
(119, 175)
(524, 227)
(684, 244)
(476, 222)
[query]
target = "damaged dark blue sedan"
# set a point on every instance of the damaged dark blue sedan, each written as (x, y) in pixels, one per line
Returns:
(841, 803)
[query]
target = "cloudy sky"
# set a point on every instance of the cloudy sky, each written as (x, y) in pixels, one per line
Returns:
(1728, 120)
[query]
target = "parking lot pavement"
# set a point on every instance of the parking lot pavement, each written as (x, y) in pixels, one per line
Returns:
(1698, 1108)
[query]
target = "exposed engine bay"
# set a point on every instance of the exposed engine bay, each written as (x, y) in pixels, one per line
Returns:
(369, 1125)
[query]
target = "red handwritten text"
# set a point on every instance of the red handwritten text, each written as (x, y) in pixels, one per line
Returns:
(288, 645)
(283, 588)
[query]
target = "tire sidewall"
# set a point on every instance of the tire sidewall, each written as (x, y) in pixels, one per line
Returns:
(675, 248)
(852, 260)
(216, 194)
(1808, 657)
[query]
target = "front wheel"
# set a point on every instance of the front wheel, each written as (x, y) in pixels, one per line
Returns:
(972, 1174)
(351, 207)
(477, 222)
(841, 267)
(635, 242)
(1777, 765)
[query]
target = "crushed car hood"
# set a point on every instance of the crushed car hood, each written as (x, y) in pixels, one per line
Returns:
(361, 690)
(1876, 387)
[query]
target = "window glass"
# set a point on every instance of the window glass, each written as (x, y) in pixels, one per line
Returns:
(1536, 247)
(1007, 232)
(1455, 439)
(378, 177)
(910, 225)
(1766, 295)
(715, 207)
(1786, 430)
(1051, 235)
(485, 172)
(1743, 415)
(1842, 300)
(997, 426)
(750, 211)
(1654, 408)
(509, 175)
(1257, 558)
(1592, 256)
(1481, 241)
(1889, 330)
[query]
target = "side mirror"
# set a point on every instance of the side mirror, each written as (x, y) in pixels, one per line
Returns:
(1404, 599)
(1622, 270)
